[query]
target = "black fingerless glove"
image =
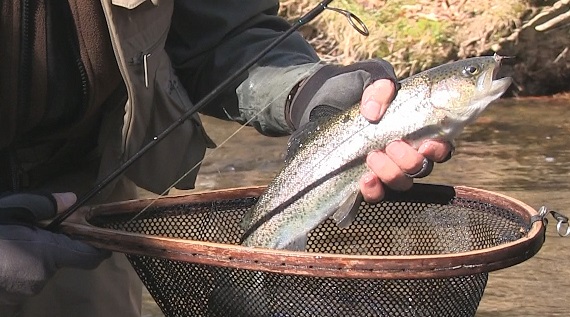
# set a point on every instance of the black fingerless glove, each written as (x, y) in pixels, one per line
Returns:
(332, 89)
(30, 256)
(27, 207)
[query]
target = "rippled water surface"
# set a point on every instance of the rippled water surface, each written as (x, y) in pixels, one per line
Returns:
(519, 148)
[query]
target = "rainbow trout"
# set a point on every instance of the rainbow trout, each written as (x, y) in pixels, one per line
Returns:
(320, 178)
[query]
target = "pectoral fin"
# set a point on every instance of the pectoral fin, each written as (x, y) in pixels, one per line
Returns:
(348, 209)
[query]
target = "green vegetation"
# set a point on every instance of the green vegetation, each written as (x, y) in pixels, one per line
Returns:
(412, 35)
(416, 35)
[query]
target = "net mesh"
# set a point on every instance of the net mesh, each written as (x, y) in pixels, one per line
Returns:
(388, 228)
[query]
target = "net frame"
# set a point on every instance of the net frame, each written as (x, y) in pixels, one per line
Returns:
(315, 264)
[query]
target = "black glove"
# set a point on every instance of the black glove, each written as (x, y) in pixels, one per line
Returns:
(29, 256)
(328, 91)
(333, 89)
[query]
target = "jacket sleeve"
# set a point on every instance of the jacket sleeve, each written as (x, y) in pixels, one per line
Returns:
(210, 40)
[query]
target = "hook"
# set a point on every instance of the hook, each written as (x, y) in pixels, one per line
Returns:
(354, 21)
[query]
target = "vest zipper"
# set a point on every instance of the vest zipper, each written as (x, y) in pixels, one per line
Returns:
(24, 80)
(73, 40)
(82, 73)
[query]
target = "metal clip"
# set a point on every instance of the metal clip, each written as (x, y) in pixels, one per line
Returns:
(542, 213)
(145, 66)
(562, 226)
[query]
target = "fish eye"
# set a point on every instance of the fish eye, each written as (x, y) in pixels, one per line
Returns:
(470, 70)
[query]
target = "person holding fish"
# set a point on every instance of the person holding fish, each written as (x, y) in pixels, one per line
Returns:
(85, 85)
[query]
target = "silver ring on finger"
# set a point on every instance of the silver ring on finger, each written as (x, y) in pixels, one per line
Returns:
(427, 167)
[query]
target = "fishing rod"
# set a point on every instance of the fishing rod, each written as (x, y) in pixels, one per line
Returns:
(354, 21)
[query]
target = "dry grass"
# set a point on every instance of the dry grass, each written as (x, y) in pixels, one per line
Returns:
(412, 35)
(416, 35)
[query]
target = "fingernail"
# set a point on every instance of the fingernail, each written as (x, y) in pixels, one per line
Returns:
(371, 189)
(425, 147)
(370, 179)
(371, 110)
(67, 199)
(373, 158)
(396, 151)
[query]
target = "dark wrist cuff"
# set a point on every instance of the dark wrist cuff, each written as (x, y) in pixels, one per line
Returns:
(335, 86)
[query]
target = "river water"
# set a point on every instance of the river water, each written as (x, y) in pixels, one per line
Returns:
(519, 147)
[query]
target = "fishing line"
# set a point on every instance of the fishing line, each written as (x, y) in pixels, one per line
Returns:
(319, 8)
(211, 152)
(309, 187)
(355, 162)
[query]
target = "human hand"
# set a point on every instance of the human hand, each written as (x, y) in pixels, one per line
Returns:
(398, 161)
(31, 255)
(373, 82)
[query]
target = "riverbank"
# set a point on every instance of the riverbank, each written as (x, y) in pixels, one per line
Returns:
(416, 35)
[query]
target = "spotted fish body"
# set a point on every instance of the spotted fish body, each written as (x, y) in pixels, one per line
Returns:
(320, 179)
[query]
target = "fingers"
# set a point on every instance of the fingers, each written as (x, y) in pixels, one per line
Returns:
(39, 254)
(376, 99)
(64, 200)
(404, 157)
(371, 188)
(391, 166)
(74, 253)
(437, 151)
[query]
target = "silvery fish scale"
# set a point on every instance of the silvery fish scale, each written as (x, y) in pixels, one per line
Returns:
(320, 179)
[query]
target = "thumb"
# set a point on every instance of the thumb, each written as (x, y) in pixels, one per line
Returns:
(64, 200)
(376, 99)
(29, 206)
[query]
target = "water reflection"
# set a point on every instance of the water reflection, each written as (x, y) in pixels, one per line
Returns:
(518, 148)
(520, 145)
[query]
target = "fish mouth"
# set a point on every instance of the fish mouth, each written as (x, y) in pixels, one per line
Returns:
(488, 88)
(499, 86)
(489, 84)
